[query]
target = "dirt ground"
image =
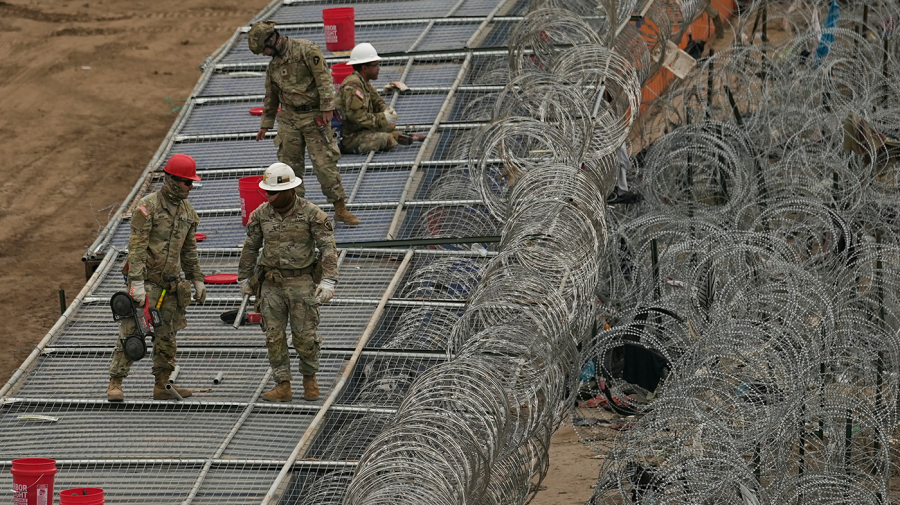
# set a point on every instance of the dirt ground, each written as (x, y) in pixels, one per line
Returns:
(88, 91)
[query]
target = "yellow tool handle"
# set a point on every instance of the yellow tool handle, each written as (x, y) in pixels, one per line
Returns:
(161, 296)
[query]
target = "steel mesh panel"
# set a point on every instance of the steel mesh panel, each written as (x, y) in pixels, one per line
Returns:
(447, 36)
(345, 436)
(476, 8)
(234, 84)
(242, 372)
(415, 108)
(138, 483)
(172, 430)
(424, 73)
(387, 38)
(379, 381)
(222, 118)
(421, 328)
(451, 220)
(93, 326)
(235, 484)
(228, 153)
(267, 433)
(496, 34)
(303, 12)
(219, 147)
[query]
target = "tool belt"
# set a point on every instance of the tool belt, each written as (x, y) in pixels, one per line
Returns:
(304, 108)
(165, 281)
(287, 273)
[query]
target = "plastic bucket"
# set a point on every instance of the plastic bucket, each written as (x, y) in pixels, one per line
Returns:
(33, 481)
(339, 72)
(82, 496)
(339, 28)
(251, 196)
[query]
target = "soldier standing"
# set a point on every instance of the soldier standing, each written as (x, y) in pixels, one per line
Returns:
(299, 81)
(161, 246)
(289, 229)
(368, 123)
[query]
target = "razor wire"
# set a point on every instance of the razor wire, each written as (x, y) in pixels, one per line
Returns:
(475, 429)
(764, 271)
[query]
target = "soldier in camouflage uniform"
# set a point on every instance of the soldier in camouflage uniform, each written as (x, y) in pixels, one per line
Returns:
(299, 81)
(289, 229)
(161, 246)
(368, 124)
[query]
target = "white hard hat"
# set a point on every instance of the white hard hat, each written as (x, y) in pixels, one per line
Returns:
(279, 177)
(363, 53)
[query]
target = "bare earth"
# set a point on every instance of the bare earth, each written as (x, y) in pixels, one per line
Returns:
(87, 94)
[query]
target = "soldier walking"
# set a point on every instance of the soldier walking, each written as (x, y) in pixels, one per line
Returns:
(368, 123)
(299, 81)
(162, 245)
(289, 228)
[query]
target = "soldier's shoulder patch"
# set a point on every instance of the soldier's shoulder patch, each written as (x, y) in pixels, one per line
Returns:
(144, 210)
(327, 224)
(250, 220)
(360, 94)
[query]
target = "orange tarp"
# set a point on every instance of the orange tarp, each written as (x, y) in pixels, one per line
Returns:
(701, 29)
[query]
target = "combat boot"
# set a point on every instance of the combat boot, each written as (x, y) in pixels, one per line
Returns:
(343, 215)
(280, 393)
(310, 388)
(161, 393)
(114, 391)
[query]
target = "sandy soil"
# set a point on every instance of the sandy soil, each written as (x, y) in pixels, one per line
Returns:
(87, 94)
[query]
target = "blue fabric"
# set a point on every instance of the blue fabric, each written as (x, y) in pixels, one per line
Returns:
(828, 38)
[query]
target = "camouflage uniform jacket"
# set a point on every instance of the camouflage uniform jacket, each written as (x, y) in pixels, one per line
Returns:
(289, 241)
(298, 77)
(162, 241)
(362, 106)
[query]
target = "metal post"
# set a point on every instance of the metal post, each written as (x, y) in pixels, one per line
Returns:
(62, 300)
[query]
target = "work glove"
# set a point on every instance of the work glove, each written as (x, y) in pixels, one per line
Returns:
(325, 290)
(244, 284)
(391, 116)
(138, 293)
(199, 291)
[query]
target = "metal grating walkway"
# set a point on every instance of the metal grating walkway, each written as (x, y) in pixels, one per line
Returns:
(387, 324)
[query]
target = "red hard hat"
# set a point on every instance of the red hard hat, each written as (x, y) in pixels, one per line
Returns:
(182, 165)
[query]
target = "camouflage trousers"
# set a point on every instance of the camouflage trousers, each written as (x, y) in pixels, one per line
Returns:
(291, 299)
(164, 346)
(369, 140)
(292, 144)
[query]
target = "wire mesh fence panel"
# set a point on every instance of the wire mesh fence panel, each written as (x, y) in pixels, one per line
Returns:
(341, 324)
(128, 482)
(235, 484)
(448, 221)
(305, 12)
(228, 153)
(266, 432)
(381, 381)
(387, 37)
(425, 73)
(166, 430)
(234, 84)
(223, 118)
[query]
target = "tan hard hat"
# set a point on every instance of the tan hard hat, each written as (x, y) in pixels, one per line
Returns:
(259, 32)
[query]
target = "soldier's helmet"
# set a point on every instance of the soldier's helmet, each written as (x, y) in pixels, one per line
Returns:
(279, 177)
(259, 32)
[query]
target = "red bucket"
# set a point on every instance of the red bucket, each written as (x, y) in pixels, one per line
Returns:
(82, 496)
(33, 481)
(339, 28)
(252, 196)
(340, 71)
